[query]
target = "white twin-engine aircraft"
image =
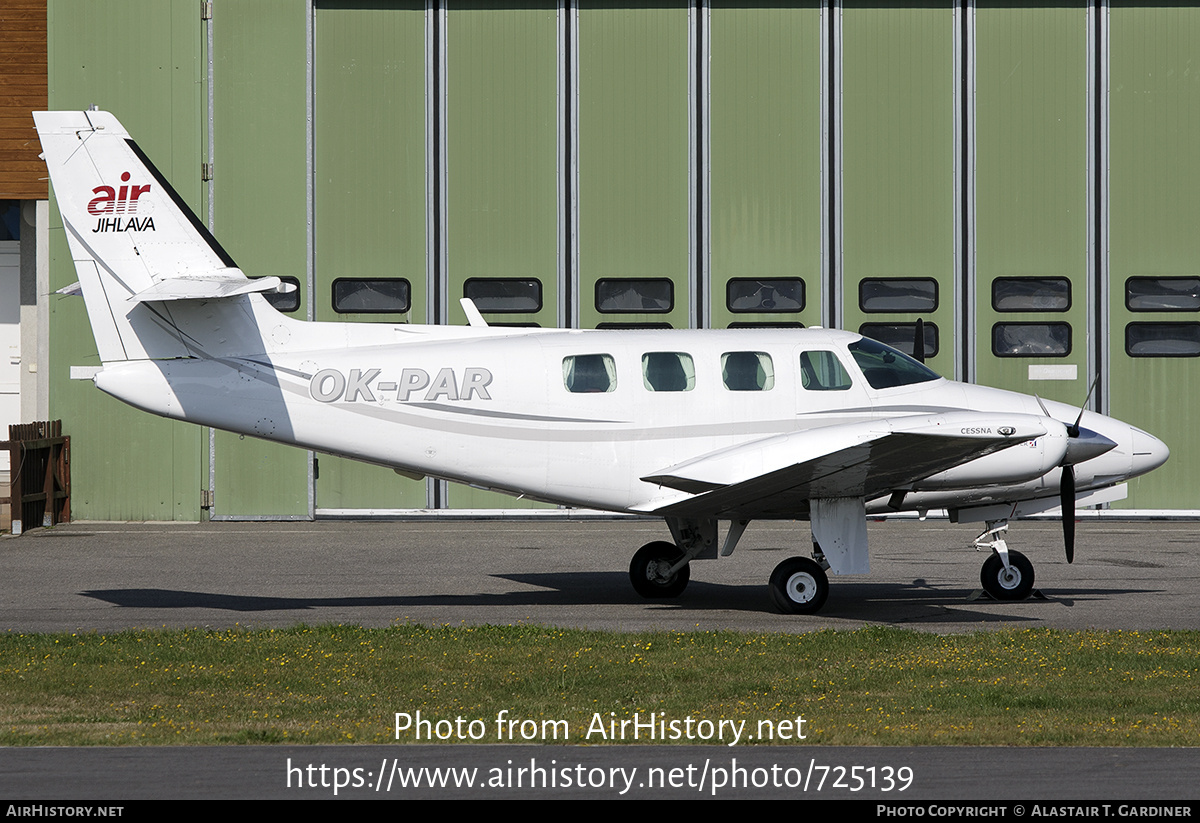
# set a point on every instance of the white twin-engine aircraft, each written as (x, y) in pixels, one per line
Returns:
(692, 426)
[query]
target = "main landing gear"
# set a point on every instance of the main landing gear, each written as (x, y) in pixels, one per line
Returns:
(1006, 575)
(799, 586)
(661, 570)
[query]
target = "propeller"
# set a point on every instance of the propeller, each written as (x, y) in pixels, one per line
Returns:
(1082, 444)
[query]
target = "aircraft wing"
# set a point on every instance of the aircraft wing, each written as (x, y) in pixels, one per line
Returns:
(778, 475)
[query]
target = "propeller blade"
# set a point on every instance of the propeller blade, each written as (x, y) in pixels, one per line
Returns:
(919, 342)
(1066, 497)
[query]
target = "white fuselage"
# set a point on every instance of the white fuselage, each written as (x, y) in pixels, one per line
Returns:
(492, 407)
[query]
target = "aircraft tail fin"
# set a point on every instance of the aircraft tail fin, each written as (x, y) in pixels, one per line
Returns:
(137, 247)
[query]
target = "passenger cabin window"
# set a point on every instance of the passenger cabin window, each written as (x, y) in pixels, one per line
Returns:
(494, 294)
(753, 295)
(886, 368)
(822, 371)
(383, 295)
(747, 371)
(614, 295)
(1162, 293)
(668, 371)
(589, 373)
(1031, 339)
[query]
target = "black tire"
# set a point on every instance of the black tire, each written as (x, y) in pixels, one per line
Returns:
(646, 571)
(1014, 583)
(799, 586)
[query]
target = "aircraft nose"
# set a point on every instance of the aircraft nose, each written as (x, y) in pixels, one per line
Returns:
(1148, 452)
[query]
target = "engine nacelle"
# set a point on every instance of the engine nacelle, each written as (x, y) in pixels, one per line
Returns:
(1018, 464)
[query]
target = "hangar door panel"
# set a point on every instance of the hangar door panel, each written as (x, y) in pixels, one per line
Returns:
(898, 174)
(765, 164)
(633, 164)
(138, 59)
(1031, 253)
(369, 200)
(260, 218)
(502, 175)
(1154, 245)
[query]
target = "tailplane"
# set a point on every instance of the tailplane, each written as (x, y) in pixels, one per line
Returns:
(141, 254)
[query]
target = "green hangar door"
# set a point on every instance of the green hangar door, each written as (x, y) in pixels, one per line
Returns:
(764, 184)
(371, 244)
(1154, 239)
(502, 175)
(1031, 199)
(633, 165)
(897, 175)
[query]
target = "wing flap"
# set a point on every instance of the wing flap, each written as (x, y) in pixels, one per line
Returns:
(779, 474)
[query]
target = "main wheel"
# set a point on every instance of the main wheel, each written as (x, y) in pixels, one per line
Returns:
(1013, 583)
(799, 586)
(649, 570)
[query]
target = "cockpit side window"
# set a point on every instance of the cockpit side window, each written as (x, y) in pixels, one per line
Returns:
(886, 368)
(747, 371)
(822, 371)
(589, 373)
(668, 371)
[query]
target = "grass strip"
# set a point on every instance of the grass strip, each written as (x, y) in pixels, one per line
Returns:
(339, 684)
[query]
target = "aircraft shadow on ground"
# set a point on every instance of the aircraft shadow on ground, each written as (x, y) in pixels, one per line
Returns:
(886, 602)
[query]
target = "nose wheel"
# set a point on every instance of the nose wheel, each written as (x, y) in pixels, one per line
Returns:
(1012, 583)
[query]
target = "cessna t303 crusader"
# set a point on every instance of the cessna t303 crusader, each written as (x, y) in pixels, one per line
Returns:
(696, 427)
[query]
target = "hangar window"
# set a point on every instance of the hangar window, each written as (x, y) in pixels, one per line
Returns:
(510, 295)
(615, 295)
(902, 336)
(668, 371)
(284, 302)
(898, 294)
(589, 373)
(747, 371)
(1162, 293)
(822, 371)
(1162, 339)
(744, 294)
(1031, 294)
(361, 295)
(1031, 339)
(628, 326)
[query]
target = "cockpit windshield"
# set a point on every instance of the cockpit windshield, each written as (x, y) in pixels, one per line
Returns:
(886, 368)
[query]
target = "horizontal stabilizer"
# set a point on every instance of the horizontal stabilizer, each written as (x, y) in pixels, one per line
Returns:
(223, 283)
(779, 474)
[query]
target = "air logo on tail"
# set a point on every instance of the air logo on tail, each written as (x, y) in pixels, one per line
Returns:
(120, 208)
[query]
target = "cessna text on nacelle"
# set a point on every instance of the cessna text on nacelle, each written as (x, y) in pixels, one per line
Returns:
(699, 427)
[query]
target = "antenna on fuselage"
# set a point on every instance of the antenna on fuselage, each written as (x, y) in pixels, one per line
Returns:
(474, 318)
